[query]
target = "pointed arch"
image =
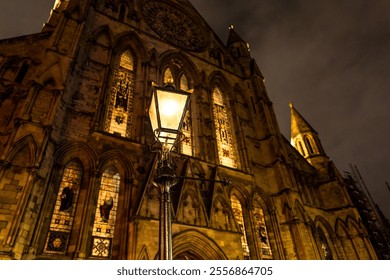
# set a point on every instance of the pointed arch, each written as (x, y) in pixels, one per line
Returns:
(357, 233)
(52, 76)
(345, 240)
(131, 40)
(100, 44)
(79, 150)
(180, 72)
(220, 218)
(103, 36)
(190, 211)
(321, 222)
(218, 79)
(196, 245)
(7, 70)
(118, 159)
(264, 199)
(143, 255)
(24, 151)
(180, 64)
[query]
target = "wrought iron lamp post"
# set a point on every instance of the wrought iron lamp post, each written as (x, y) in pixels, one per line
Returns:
(166, 112)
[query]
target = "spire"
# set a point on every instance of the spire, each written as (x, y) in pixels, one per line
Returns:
(298, 123)
(306, 141)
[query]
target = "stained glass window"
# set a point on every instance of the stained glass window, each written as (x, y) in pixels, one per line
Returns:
(261, 231)
(106, 211)
(64, 209)
(184, 83)
(119, 116)
(237, 212)
(168, 78)
(226, 152)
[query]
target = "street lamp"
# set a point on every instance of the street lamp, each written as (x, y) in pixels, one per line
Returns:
(166, 112)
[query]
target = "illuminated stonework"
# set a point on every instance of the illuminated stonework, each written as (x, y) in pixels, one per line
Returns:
(226, 153)
(119, 115)
(106, 210)
(64, 209)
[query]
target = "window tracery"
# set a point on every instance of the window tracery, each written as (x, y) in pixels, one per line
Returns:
(119, 116)
(223, 131)
(105, 215)
(64, 210)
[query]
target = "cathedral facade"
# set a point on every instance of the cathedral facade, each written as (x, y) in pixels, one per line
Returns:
(76, 165)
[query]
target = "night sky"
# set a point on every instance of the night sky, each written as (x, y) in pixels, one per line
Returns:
(330, 58)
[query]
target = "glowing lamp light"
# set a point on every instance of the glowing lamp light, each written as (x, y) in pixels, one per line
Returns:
(166, 112)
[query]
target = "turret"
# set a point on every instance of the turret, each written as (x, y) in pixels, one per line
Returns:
(306, 141)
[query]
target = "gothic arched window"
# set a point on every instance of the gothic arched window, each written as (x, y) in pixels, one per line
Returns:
(237, 212)
(300, 147)
(119, 116)
(184, 83)
(168, 78)
(223, 131)
(106, 211)
(64, 209)
(308, 145)
(261, 231)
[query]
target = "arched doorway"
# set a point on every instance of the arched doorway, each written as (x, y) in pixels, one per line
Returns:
(194, 245)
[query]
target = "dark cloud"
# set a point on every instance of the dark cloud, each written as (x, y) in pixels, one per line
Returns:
(331, 58)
